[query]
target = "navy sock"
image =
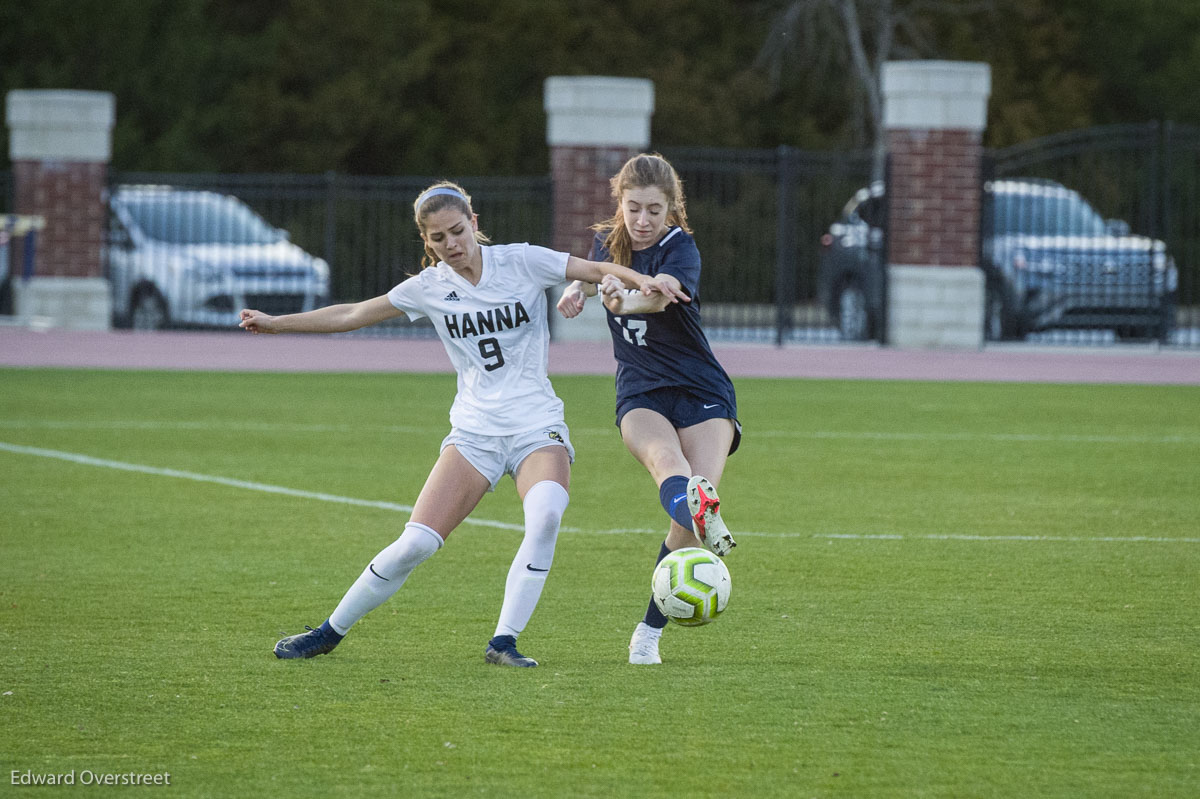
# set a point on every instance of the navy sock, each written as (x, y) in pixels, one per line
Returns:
(329, 631)
(654, 617)
(501, 642)
(673, 496)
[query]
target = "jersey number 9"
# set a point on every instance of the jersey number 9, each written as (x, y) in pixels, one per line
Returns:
(490, 348)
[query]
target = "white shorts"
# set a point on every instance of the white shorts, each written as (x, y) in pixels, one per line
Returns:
(496, 456)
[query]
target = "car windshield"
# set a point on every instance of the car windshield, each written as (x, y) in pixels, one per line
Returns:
(197, 218)
(1049, 213)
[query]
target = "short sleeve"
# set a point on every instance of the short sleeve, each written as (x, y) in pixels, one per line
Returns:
(409, 298)
(598, 252)
(682, 260)
(547, 267)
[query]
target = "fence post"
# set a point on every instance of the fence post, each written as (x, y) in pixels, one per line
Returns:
(1164, 193)
(330, 217)
(785, 242)
(1161, 228)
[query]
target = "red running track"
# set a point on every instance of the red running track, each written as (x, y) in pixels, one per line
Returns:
(237, 351)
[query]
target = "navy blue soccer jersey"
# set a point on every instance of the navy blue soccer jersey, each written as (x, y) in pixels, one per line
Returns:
(669, 348)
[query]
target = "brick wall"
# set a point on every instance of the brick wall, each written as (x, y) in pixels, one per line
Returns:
(934, 197)
(70, 195)
(582, 192)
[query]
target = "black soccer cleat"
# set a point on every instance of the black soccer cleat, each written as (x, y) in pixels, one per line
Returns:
(502, 651)
(308, 644)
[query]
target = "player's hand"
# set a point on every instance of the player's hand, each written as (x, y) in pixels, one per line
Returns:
(661, 284)
(571, 303)
(610, 285)
(256, 321)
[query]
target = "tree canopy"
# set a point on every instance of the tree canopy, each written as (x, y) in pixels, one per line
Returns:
(400, 87)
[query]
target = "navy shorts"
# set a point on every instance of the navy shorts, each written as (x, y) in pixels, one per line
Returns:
(682, 408)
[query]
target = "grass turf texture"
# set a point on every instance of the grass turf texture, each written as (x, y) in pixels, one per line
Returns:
(890, 633)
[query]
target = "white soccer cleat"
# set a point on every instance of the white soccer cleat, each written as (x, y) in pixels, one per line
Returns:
(707, 524)
(643, 647)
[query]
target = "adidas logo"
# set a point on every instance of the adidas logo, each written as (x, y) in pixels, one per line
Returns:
(452, 297)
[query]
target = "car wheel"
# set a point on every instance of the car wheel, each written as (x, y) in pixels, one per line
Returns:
(1138, 332)
(998, 324)
(993, 317)
(854, 321)
(1166, 324)
(149, 311)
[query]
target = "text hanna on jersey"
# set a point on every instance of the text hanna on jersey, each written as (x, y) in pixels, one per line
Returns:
(489, 321)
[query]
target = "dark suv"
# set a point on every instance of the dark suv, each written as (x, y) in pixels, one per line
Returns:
(1049, 261)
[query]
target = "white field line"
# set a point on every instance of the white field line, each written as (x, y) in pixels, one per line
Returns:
(87, 460)
(212, 424)
(287, 427)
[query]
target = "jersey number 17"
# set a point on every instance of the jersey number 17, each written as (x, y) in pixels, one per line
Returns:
(634, 331)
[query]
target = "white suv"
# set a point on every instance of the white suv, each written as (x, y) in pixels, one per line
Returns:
(185, 257)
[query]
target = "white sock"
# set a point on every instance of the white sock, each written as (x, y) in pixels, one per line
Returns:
(385, 574)
(544, 503)
(653, 632)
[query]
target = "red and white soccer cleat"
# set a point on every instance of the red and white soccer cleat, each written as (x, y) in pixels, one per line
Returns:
(707, 524)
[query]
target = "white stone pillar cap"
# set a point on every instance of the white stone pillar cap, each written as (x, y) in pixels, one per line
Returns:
(936, 95)
(60, 125)
(589, 111)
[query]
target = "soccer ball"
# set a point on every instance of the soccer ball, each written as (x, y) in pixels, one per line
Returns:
(690, 586)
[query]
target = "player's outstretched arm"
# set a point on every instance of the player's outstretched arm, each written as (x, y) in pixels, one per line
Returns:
(596, 271)
(330, 319)
(620, 300)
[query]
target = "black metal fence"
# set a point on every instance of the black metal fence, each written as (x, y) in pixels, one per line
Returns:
(759, 217)
(361, 228)
(6, 251)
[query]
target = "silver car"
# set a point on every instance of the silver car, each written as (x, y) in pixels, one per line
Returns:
(186, 257)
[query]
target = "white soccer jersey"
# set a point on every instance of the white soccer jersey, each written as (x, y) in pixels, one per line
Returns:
(496, 334)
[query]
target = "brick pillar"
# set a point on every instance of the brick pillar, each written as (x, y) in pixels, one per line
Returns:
(60, 143)
(594, 125)
(935, 113)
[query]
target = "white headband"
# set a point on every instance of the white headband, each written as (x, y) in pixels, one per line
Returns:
(434, 192)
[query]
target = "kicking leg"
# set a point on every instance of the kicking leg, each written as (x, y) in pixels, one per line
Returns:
(670, 456)
(706, 447)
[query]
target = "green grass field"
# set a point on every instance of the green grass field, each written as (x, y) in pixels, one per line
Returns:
(941, 590)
